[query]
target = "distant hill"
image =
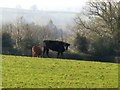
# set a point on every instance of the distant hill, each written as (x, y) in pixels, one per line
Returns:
(60, 19)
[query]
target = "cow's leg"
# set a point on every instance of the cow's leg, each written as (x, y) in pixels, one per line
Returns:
(33, 54)
(62, 55)
(44, 50)
(47, 52)
(58, 54)
(39, 55)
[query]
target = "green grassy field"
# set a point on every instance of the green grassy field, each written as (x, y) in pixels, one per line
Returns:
(27, 72)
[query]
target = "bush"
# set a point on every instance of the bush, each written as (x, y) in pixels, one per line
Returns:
(104, 47)
(81, 43)
(7, 43)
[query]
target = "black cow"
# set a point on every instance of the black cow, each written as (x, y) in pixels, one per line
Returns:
(57, 46)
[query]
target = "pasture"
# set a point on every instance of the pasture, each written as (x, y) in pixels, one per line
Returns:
(27, 72)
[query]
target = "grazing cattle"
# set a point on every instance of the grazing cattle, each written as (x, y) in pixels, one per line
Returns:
(57, 46)
(36, 51)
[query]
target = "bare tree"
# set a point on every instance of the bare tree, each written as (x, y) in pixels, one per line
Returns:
(102, 18)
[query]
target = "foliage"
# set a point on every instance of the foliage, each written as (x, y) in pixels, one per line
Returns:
(81, 43)
(100, 23)
(104, 47)
(7, 43)
(26, 72)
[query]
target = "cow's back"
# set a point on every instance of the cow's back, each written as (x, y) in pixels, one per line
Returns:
(54, 45)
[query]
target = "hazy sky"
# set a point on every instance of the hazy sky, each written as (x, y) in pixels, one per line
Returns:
(54, 5)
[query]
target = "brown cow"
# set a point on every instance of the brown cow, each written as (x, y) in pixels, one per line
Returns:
(36, 51)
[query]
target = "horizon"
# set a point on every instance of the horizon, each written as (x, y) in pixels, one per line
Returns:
(51, 11)
(52, 5)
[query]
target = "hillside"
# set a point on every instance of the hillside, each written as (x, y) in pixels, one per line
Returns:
(27, 72)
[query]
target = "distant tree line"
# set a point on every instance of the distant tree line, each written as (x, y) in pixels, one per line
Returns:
(19, 37)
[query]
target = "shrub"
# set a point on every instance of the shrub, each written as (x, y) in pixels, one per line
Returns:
(104, 47)
(81, 43)
(7, 43)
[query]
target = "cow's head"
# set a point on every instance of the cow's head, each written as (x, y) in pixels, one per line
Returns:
(66, 45)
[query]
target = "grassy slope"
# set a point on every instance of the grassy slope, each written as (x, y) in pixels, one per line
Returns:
(29, 72)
